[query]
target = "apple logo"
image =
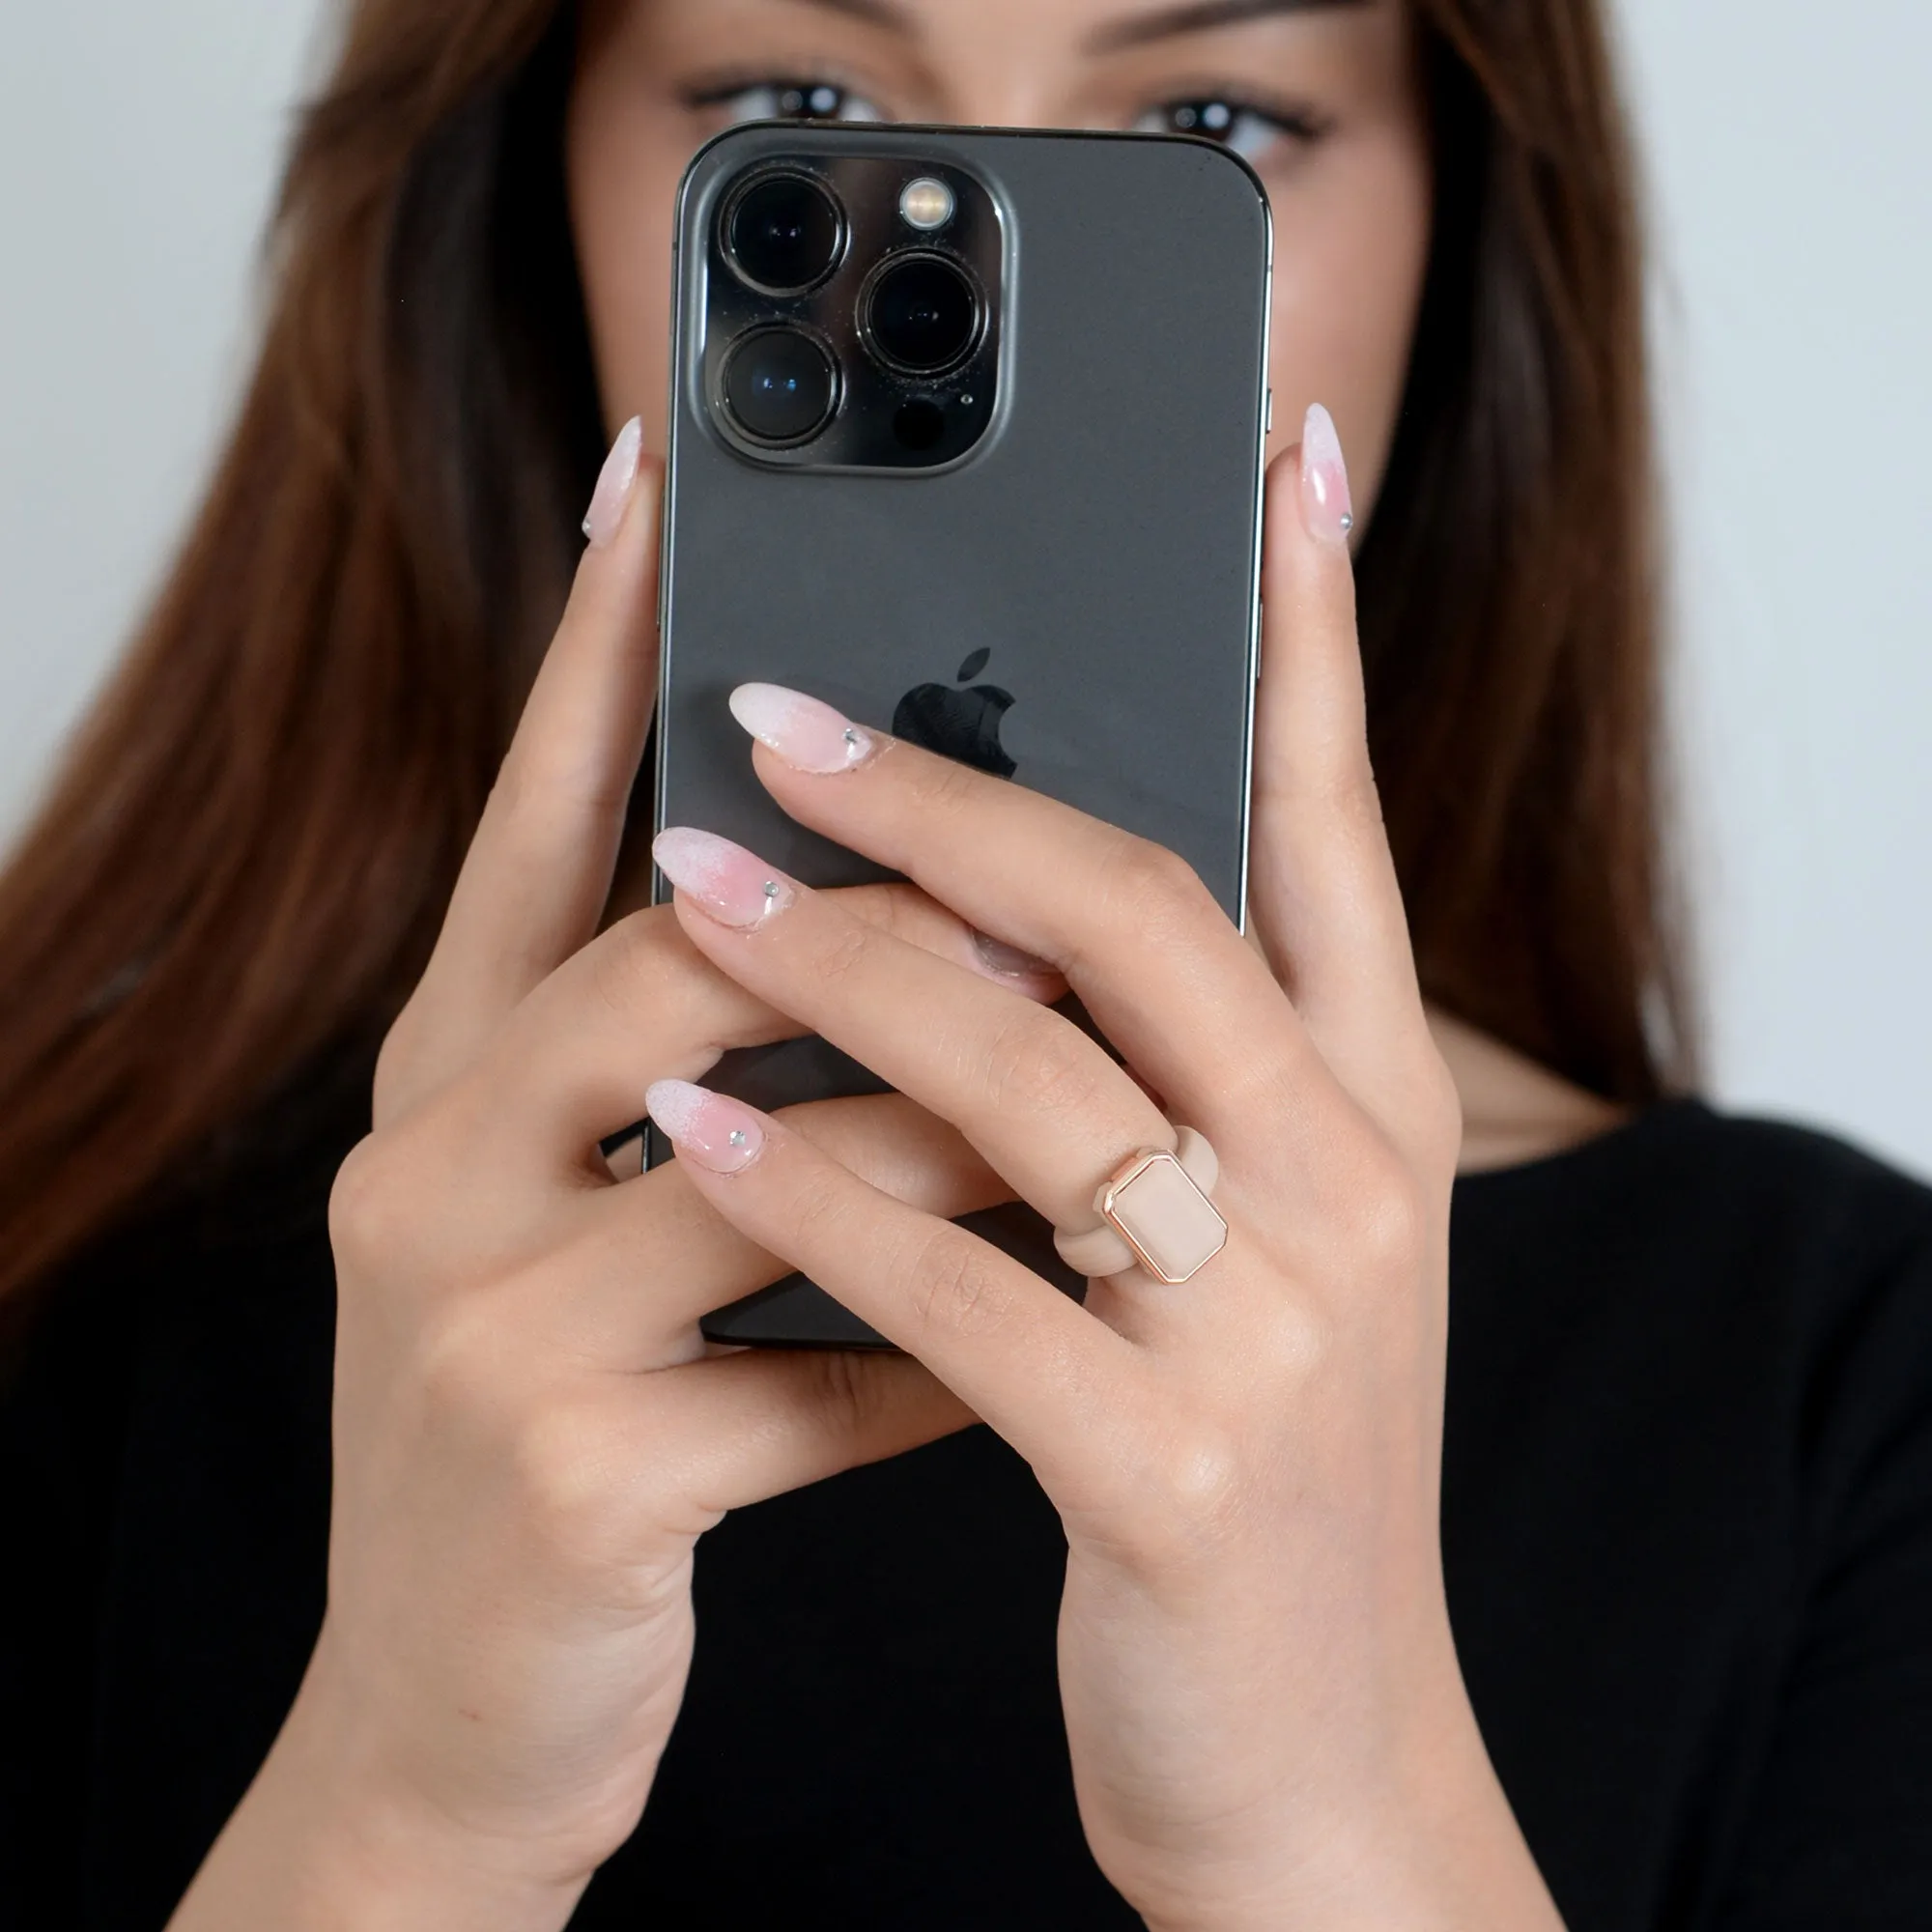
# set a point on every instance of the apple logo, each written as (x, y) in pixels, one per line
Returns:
(960, 725)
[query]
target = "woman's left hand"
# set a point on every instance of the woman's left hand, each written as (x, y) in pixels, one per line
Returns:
(1268, 1721)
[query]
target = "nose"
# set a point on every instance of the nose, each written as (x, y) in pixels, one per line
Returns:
(1003, 63)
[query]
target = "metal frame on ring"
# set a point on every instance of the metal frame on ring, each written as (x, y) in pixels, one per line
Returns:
(1121, 1178)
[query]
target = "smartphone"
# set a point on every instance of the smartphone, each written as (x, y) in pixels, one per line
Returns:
(966, 438)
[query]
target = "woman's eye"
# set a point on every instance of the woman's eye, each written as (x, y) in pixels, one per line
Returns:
(791, 101)
(1252, 132)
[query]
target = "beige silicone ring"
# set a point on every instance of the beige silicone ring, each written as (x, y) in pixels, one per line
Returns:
(1156, 1212)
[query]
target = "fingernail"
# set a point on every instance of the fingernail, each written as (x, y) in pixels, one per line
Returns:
(723, 1136)
(1327, 507)
(1009, 961)
(618, 479)
(734, 886)
(807, 735)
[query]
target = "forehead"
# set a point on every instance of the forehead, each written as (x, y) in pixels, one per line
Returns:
(1098, 24)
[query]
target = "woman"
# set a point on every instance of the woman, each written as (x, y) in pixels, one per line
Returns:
(1171, 1642)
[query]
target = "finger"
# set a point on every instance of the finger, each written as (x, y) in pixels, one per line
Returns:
(647, 1260)
(642, 1003)
(1323, 883)
(1045, 1104)
(1042, 1372)
(538, 873)
(753, 1426)
(1159, 965)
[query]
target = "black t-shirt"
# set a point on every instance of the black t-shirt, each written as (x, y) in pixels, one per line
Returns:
(1688, 1524)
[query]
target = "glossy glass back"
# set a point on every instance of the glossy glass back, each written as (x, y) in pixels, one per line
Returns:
(1062, 585)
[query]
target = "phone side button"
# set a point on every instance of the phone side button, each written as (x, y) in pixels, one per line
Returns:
(1267, 414)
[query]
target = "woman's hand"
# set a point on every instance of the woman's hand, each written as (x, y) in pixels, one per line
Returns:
(529, 1437)
(1268, 1721)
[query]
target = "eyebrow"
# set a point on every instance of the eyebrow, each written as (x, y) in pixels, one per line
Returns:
(1196, 17)
(875, 13)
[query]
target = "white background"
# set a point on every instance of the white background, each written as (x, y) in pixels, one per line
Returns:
(1791, 165)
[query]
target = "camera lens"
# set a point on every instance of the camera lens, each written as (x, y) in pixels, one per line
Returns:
(780, 386)
(922, 314)
(783, 234)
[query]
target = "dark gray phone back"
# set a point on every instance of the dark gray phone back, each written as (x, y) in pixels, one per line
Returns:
(1100, 541)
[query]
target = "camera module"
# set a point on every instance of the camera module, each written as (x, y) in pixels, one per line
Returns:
(783, 234)
(851, 301)
(781, 387)
(921, 314)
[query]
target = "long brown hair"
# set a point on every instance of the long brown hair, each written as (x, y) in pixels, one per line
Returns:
(243, 865)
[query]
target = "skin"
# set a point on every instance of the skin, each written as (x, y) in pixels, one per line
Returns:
(1267, 1722)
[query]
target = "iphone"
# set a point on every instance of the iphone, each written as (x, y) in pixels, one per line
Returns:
(966, 438)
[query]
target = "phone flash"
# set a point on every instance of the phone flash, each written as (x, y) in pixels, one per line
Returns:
(927, 205)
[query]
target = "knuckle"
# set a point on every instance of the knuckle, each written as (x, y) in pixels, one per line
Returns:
(1353, 801)
(565, 1480)
(1039, 1063)
(641, 963)
(373, 1209)
(1192, 1496)
(418, 1209)
(815, 1211)
(465, 1392)
(1389, 1225)
(1302, 1343)
(465, 1377)
(958, 1288)
(897, 909)
(938, 787)
(561, 1472)
(846, 953)
(549, 1450)
(844, 1393)
(1155, 892)
(536, 781)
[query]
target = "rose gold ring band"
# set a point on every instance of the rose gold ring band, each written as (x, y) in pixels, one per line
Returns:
(1156, 1212)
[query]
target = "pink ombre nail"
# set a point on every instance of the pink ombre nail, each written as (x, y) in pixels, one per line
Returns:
(734, 886)
(724, 1136)
(620, 479)
(807, 735)
(1327, 507)
(1009, 962)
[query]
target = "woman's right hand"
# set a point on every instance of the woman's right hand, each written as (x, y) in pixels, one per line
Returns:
(529, 1435)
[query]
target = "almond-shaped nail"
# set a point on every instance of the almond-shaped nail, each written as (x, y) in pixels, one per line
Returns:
(734, 886)
(808, 735)
(1327, 507)
(721, 1134)
(615, 485)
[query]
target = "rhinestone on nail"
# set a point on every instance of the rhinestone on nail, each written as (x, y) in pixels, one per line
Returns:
(1348, 522)
(739, 1137)
(851, 734)
(771, 888)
